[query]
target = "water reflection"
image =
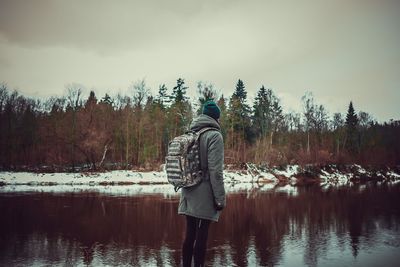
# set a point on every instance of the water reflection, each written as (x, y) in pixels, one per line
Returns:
(314, 228)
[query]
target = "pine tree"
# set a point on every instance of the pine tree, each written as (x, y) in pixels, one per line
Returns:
(179, 91)
(240, 122)
(351, 129)
(351, 117)
(92, 100)
(107, 100)
(163, 98)
(267, 113)
(223, 120)
(180, 112)
(261, 112)
(240, 92)
(238, 108)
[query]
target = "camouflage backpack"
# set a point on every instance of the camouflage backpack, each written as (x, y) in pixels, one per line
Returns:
(182, 162)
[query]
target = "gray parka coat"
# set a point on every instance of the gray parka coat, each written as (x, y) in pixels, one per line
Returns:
(199, 201)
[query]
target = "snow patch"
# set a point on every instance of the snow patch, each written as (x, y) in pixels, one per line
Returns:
(395, 182)
(335, 178)
(290, 190)
(360, 169)
(393, 175)
(290, 171)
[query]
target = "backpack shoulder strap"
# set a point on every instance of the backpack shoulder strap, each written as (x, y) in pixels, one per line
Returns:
(205, 129)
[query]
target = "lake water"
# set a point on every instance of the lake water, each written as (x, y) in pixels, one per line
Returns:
(349, 226)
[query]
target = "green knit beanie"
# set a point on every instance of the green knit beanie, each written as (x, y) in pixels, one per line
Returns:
(211, 109)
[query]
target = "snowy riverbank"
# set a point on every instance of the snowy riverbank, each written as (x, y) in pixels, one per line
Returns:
(132, 182)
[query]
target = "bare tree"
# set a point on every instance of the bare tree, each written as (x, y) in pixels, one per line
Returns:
(3, 96)
(140, 93)
(316, 118)
(365, 119)
(293, 121)
(337, 125)
(74, 92)
(206, 91)
(308, 112)
(337, 121)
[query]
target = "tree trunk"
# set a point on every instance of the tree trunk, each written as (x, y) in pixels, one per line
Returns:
(271, 138)
(73, 141)
(337, 146)
(158, 144)
(104, 155)
(127, 141)
(139, 142)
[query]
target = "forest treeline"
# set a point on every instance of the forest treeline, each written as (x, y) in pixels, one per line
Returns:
(133, 130)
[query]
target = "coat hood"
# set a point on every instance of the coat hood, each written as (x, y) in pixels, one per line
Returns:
(203, 121)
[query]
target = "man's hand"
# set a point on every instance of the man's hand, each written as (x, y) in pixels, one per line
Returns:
(219, 206)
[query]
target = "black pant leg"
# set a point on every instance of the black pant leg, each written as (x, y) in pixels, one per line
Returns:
(187, 249)
(200, 246)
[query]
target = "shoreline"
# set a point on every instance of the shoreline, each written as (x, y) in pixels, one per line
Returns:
(160, 168)
(253, 178)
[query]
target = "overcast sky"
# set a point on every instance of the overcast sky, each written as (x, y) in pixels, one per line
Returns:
(339, 50)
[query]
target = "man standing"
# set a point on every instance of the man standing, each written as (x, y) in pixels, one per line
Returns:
(203, 203)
